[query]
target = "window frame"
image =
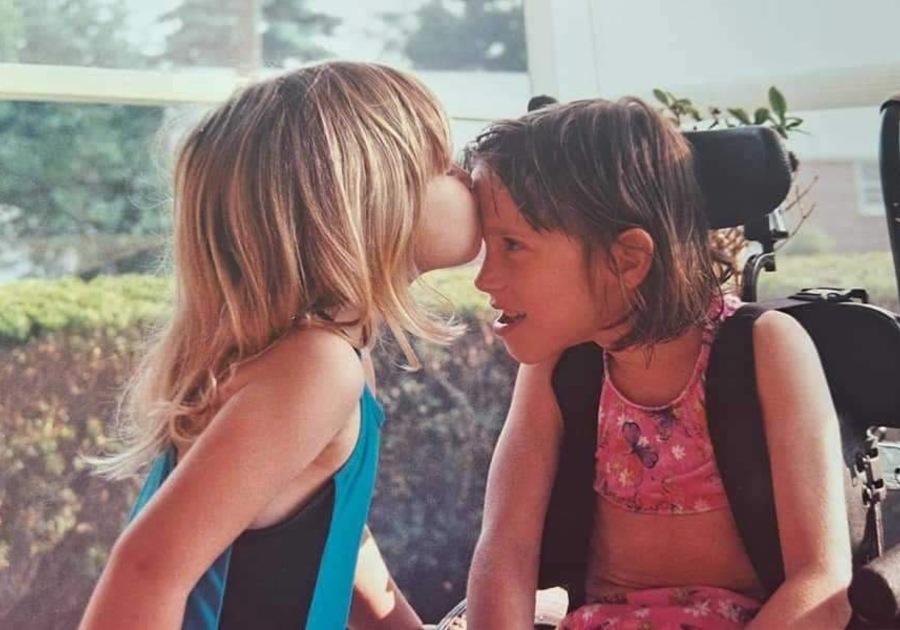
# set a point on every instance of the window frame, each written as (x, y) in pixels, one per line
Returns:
(866, 185)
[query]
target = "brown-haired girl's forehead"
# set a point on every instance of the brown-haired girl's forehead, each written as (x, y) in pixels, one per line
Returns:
(498, 210)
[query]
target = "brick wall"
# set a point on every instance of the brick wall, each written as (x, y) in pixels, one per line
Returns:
(837, 207)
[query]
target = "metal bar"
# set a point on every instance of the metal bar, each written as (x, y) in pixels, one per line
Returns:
(472, 96)
(889, 159)
(815, 90)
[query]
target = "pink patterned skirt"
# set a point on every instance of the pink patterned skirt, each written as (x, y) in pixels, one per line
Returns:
(683, 608)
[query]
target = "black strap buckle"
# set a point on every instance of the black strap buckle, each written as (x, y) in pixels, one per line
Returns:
(832, 294)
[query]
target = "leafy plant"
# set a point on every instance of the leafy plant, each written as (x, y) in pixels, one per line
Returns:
(773, 114)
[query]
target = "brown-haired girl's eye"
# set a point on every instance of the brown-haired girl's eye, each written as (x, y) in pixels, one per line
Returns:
(511, 244)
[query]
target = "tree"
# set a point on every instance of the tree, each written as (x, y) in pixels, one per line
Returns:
(77, 169)
(74, 32)
(245, 33)
(73, 169)
(10, 29)
(479, 35)
(290, 32)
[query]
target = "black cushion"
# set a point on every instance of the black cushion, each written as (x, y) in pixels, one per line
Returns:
(744, 173)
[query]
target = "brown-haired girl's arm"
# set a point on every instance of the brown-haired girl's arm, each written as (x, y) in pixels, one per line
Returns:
(803, 439)
(302, 393)
(503, 576)
(377, 601)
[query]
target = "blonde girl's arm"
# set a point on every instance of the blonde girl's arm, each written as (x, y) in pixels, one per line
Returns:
(377, 601)
(302, 393)
(503, 575)
(804, 445)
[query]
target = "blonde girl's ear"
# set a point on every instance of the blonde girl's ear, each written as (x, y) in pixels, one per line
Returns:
(631, 256)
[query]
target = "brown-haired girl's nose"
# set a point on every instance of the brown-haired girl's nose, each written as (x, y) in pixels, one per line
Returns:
(487, 280)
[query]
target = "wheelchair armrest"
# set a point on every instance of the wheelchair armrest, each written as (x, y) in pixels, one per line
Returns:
(875, 589)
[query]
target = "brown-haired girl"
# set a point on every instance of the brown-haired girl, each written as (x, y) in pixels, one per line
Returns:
(595, 231)
(304, 208)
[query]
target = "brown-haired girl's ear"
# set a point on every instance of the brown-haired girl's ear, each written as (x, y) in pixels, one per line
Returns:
(631, 256)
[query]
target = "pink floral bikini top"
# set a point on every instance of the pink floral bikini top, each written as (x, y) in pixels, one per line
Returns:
(660, 459)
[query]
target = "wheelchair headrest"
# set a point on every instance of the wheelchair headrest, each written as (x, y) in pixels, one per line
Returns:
(744, 172)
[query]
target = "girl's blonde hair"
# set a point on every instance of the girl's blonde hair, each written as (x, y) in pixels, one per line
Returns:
(297, 197)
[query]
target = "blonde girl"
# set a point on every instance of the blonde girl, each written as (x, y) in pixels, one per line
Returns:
(304, 208)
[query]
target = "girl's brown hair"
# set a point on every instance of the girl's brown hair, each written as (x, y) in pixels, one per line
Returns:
(594, 168)
(297, 197)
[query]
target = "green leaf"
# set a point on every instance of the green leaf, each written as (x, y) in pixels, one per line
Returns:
(761, 115)
(661, 96)
(776, 100)
(740, 114)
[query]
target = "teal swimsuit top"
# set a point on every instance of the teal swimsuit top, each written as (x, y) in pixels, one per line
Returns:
(297, 573)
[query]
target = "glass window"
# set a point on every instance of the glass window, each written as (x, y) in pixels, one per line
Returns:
(868, 189)
(82, 188)
(486, 35)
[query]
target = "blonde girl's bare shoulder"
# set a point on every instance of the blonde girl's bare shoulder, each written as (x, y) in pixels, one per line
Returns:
(307, 361)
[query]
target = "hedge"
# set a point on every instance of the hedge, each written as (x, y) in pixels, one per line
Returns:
(31, 307)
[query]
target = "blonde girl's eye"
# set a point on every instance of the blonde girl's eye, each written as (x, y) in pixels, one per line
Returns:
(461, 174)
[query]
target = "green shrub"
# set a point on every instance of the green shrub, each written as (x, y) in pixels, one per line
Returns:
(57, 522)
(29, 308)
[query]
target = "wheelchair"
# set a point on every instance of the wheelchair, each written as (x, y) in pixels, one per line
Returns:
(745, 175)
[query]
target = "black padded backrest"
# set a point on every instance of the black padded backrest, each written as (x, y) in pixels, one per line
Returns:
(744, 173)
(577, 380)
(859, 345)
(734, 419)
